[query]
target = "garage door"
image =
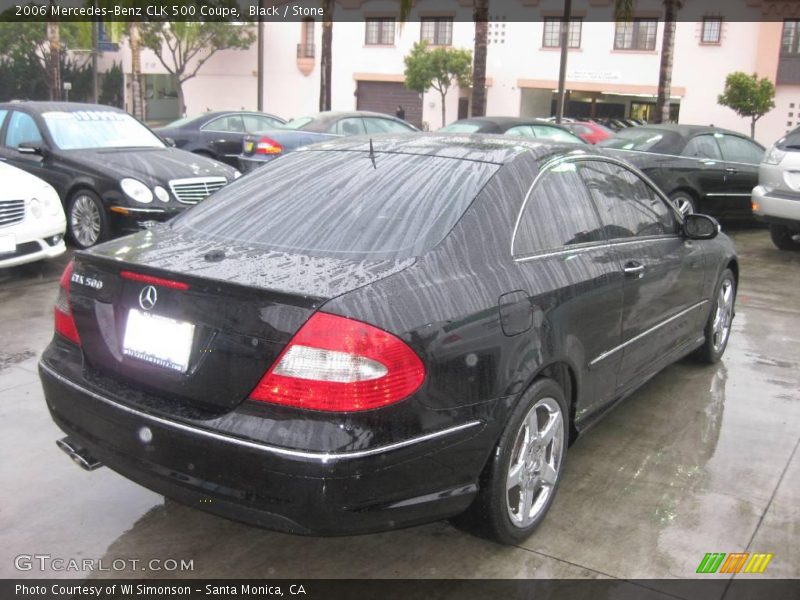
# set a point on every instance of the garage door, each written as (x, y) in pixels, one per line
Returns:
(385, 97)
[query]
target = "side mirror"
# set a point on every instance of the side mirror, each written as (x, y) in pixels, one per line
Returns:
(700, 227)
(169, 141)
(32, 148)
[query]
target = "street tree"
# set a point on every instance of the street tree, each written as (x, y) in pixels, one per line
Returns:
(184, 47)
(748, 96)
(437, 69)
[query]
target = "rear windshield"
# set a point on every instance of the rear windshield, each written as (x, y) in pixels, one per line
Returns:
(460, 128)
(338, 203)
(791, 141)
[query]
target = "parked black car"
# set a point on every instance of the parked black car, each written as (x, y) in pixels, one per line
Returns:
(264, 146)
(517, 126)
(371, 334)
(702, 169)
(218, 135)
(112, 173)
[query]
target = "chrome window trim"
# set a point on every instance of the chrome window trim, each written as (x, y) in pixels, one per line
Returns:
(322, 457)
(549, 165)
(695, 158)
(655, 327)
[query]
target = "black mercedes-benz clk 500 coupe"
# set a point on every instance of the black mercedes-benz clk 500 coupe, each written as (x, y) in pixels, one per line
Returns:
(369, 334)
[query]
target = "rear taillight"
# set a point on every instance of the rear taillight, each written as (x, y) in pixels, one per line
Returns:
(65, 323)
(266, 145)
(341, 365)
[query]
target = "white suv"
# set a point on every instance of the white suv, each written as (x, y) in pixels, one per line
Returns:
(32, 219)
(776, 198)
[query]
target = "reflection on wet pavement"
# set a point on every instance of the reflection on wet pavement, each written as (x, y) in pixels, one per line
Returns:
(701, 459)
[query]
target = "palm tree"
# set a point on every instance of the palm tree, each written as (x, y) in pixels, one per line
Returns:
(54, 63)
(325, 57)
(671, 8)
(480, 15)
(137, 97)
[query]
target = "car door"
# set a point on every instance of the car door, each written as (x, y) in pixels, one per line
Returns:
(663, 272)
(572, 278)
(224, 136)
(742, 157)
(22, 128)
(707, 169)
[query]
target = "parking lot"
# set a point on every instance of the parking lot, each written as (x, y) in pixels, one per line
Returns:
(701, 459)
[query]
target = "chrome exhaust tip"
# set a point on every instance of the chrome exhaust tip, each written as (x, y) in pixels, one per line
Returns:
(79, 455)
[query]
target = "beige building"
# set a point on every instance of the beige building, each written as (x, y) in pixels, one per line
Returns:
(612, 69)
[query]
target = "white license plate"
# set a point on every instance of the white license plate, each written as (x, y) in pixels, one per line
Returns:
(8, 243)
(158, 340)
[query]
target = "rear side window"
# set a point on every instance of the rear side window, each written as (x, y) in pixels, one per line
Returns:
(738, 149)
(22, 128)
(558, 214)
(3, 114)
(628, 207)
(229, 123)
(637, 138)
(349, 126)
(702, 146)
(253, 123)
(338, 204)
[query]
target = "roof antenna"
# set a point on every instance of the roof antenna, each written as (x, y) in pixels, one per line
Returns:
(372, 154)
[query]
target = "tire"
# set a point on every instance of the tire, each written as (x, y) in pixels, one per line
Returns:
(497, 510)
(87, 219)
(718, 328)
(783, 237)
(684, 201)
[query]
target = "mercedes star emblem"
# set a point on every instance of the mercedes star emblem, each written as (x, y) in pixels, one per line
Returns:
(148, 297)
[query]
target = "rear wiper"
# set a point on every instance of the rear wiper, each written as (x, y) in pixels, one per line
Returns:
(792, 146)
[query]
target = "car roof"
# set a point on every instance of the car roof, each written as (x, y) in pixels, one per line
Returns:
(497, 149)
(46, 106)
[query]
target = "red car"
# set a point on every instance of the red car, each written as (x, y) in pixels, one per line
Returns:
(588, 131)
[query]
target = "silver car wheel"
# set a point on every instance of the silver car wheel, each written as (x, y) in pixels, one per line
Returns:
(85, 220)
(723, 314)
(535, 462)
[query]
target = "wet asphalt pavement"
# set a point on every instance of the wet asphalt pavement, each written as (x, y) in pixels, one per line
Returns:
(702, 459)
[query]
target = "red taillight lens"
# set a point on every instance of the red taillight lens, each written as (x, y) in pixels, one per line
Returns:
(65, 323)
(341, 365)
(267, 145)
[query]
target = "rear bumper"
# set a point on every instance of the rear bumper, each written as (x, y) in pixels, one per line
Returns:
(772, 208)
(421, 479)
(248, 164)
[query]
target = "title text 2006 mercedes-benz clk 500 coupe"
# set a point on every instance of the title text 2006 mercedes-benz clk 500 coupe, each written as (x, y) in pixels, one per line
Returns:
(370, 334)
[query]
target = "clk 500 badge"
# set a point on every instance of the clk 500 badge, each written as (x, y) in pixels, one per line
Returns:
(87, 281)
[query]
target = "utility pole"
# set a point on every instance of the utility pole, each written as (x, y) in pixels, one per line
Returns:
(260, 67)
(95, 92)
(562, 71)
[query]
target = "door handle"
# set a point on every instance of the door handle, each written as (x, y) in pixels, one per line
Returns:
(731, 170)
(633, 269)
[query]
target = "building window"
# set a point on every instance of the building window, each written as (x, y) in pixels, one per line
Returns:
(790, 38)
(437, 31)
(305, 49)
(638, 34)
(712, 30)
(552, 32)
(379, 32)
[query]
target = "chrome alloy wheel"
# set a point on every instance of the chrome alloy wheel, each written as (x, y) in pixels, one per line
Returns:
(84, 220)
(723, 314)
(535, 462)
